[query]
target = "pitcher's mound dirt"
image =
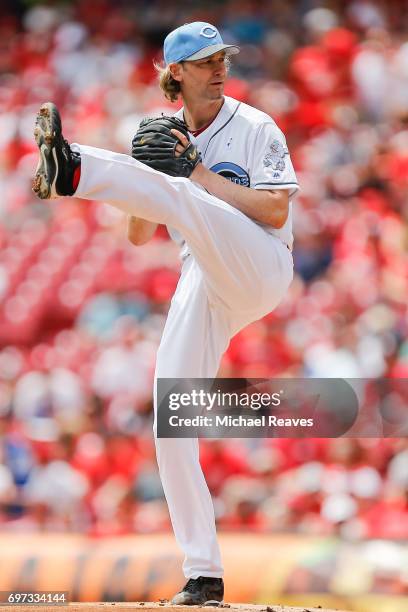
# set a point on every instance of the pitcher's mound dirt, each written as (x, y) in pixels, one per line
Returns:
(148, 606)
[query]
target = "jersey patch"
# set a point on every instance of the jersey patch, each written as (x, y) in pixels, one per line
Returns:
(275, 158)
(232, 172)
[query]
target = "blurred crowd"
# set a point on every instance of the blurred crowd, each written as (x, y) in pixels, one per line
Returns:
(82, 310)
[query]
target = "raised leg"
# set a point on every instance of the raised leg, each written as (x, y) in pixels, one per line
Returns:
(243, 267)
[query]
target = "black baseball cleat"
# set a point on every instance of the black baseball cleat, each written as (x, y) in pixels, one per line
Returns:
(56, 166)
(199, 591)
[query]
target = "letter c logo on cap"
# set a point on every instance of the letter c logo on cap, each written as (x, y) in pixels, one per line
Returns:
(208, 32)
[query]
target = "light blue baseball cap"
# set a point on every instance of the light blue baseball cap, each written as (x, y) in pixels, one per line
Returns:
(193, 41)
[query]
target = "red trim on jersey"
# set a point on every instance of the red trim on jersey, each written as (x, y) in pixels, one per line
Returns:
(198, 132)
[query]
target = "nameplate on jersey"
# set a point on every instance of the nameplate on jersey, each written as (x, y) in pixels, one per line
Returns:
(232, 172)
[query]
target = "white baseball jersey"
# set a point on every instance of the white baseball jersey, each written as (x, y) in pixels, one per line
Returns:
(246, 146)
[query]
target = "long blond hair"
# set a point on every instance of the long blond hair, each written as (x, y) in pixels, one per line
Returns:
(169, 86)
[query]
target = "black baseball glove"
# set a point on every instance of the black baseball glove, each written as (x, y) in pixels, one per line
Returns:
(155, 145)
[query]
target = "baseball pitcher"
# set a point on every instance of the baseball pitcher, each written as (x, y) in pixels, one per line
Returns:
(219, 175)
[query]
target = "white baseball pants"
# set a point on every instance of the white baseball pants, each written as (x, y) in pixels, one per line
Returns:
(236, 273)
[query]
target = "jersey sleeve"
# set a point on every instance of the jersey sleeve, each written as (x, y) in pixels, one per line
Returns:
(271, 166)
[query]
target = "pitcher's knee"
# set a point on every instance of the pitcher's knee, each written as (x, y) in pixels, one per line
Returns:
(176, 451)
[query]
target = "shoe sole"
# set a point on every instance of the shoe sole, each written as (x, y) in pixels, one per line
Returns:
(208, 603)
(211, 603)
(47, 129)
